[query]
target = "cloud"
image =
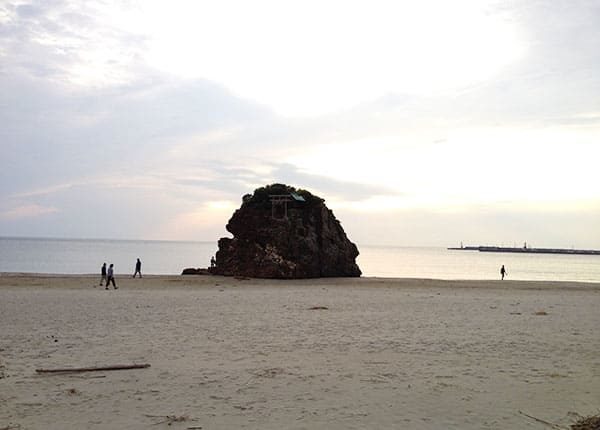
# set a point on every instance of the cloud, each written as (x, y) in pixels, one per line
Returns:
(77, 134)
(67, 42)
(43, 191)
(231, 182)
(26, 211)
(28, 11)
(328, 187)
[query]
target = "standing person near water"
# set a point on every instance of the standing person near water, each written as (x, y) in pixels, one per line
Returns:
(103, 274)
(110, 277)
(503, 272)
(138, 268)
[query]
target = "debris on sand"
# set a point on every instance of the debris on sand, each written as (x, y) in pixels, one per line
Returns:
(587, 423)
(583, 423)
(94, 369)
(170, 419)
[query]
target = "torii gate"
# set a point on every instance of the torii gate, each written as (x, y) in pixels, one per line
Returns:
(283, 199)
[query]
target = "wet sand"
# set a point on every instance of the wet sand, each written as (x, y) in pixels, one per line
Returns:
(230, 353)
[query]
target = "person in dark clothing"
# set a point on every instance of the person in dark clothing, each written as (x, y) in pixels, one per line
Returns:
(503, 272)
(110, 277)
(103, 274)
(138, 268)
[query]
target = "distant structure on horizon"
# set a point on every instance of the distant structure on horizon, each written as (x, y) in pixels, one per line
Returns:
(527, 250)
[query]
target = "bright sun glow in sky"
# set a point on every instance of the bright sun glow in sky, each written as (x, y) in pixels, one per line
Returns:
(392, 111)
(423, 175)
(299, 62)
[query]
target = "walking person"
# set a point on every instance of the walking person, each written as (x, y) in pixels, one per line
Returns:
(503, 272)
(110, 277)
(103, 274)
(138, 268)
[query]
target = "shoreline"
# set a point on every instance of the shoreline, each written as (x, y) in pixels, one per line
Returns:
(18, 279)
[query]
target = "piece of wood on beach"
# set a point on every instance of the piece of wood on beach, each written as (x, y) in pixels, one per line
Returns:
(94, 369)
(318, 308)
(170, 419)
(539, 420)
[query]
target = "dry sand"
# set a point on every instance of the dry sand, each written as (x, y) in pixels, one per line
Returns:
(228, 353)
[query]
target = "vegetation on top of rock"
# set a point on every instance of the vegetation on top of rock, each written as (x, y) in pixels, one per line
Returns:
(261, 196)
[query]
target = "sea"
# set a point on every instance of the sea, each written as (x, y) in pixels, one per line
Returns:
(85, 256)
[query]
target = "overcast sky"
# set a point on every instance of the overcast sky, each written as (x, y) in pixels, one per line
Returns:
(420, 123)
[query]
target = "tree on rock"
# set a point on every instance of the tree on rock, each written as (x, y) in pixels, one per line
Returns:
(282, 232)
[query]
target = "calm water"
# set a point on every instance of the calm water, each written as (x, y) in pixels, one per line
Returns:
(169, 257)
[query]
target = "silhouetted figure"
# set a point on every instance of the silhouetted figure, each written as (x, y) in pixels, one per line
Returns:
(103, 274)
(110, 277)
(213, 262)
(138, 268)
(503, 272)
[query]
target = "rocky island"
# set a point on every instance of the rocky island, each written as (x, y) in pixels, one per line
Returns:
(282, 232)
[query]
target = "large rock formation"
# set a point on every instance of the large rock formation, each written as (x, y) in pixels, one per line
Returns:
(281, 232)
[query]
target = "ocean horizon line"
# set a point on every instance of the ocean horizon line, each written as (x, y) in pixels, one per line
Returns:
(204, 242)
(105, 239)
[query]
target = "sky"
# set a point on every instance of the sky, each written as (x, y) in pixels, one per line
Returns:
(424, 123)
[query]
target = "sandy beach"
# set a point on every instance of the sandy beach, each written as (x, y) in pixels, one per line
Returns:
(327, 353)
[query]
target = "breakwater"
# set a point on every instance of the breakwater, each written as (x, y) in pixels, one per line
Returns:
(526, 250)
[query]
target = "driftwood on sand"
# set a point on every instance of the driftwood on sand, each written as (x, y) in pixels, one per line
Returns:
(583, 423)
(539, 420)
(94, 369)
(170, 419)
